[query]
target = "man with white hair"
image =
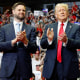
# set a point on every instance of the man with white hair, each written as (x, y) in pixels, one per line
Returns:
(61, 39)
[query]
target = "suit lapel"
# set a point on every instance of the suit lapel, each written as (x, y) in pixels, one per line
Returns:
(55, 29)
(24, 27)
(12, 31)
(68, 28)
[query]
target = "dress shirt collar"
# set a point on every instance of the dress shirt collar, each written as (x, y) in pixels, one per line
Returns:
(14, 23)
(21, 23)
(65, 25)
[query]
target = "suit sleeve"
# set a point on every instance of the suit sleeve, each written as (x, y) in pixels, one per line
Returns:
(4, 45)
(32, 47)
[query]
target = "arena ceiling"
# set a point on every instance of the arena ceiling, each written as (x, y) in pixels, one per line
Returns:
(33, 4)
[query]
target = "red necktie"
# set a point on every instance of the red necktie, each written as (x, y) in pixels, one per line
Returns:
(59, 47)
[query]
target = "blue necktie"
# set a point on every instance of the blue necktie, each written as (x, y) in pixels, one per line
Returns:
(17, 27)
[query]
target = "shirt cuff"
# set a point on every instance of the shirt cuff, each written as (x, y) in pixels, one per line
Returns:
(64, 44)
(50, 42)
(25, 45)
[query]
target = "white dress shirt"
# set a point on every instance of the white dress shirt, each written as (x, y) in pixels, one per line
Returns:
(21, 23)
(59, 25)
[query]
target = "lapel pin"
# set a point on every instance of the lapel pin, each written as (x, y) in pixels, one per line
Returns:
(70, 26)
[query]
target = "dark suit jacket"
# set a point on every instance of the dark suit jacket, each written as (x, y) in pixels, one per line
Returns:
(69, 53)
(12, 53)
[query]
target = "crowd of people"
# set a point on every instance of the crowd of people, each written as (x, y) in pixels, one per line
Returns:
(43, 60)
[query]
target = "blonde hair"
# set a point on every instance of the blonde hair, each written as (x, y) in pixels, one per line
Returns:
(61, 4)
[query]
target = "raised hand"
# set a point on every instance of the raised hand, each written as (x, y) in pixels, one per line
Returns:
(50, 34)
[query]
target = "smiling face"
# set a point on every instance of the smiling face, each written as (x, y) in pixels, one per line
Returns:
(61, 13)
(19, 12)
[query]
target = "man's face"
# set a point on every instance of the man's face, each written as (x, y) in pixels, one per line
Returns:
(61, 13)
(19, 12)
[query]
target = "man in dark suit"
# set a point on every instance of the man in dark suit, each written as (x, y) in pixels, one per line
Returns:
(17, 46)
(64, 66)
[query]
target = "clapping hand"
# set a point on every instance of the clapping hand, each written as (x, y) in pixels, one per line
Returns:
(50, 34)
(63, 37)
(21, 36)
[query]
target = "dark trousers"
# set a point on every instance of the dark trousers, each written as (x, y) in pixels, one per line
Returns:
(14, 78)
(58, 73)
(16, 74)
